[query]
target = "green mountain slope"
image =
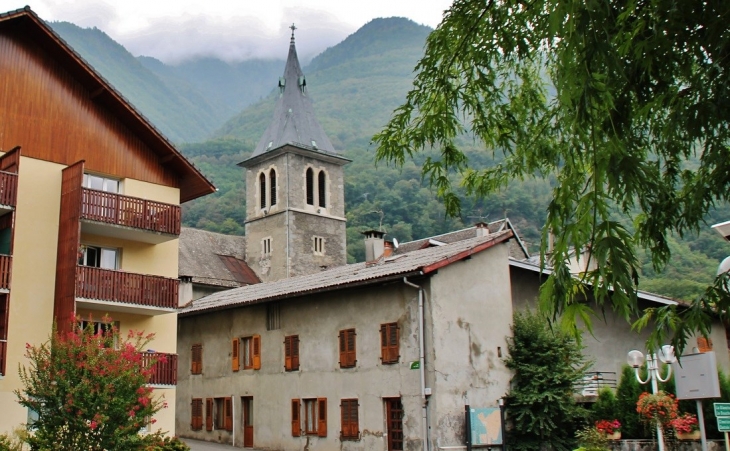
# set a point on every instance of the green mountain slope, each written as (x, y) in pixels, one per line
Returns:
(180, 112)
(230, 86)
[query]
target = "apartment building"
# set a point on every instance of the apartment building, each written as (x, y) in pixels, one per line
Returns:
(90, 196)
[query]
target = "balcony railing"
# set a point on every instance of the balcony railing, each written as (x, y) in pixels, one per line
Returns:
(6, 266)
(594, 381)
(130, 288)
(8, 188)
(164, 369)
(129, 211)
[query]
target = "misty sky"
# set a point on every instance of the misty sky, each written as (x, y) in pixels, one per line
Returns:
(174, 30)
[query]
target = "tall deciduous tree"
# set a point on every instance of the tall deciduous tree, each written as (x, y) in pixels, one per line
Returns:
(617, 99)
(88, 390)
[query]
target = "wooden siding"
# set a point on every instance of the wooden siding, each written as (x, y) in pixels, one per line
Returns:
(164, 368)
(69, 234)
(129, 211)
(127, 287)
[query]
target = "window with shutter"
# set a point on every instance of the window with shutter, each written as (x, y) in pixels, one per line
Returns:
(310, 186)
(256, 351)
(348, 357)
(209, 414)
(349, 420)
(310, 416)
(296, 425)
(291, 353)
(196, 360)
(389, 350)
(228, 414)
(196, 417)
(235, 363)
(322, 417)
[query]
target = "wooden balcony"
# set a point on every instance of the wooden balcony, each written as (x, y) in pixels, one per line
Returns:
(165, 372)
(8, 191)
(3, 356)
(6, 267)
(119, 291)
(128, 217)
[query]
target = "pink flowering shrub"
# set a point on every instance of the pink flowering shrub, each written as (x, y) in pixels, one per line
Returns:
(88, 389)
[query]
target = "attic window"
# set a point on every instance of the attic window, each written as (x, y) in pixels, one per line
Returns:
(302, 83)
(282, 84)
(314, 144)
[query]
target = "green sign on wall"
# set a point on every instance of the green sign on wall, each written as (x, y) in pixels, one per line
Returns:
(722, 412)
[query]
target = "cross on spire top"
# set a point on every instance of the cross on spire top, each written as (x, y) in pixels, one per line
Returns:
(293, 27)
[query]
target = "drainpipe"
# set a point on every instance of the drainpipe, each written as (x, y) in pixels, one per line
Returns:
(421, 357)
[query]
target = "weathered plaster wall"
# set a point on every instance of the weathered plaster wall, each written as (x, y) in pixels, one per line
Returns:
(471, 313)
(612, 335)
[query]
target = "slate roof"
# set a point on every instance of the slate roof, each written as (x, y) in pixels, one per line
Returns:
(417, 262)
(294, 121)
(193, 183)
(214, 259)
(518, 250)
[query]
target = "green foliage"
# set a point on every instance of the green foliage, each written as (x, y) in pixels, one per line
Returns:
(547, 365)
(160, 442)
(605, 407)
(88, 389)
(590, 439)
(627, 393)
(617, 101)
(14, 441)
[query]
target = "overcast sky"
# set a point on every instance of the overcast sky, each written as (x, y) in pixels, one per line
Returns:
(172, 30)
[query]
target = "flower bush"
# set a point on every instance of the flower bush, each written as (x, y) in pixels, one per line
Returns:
(88, 390)
(685, 423)
(658, 409)
(608, 427)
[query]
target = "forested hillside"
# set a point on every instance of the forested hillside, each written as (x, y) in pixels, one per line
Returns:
(355, 86)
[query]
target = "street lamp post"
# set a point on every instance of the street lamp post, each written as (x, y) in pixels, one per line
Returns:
(636, 360)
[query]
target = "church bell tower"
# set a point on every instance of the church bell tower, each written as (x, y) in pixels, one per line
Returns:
(295, 200)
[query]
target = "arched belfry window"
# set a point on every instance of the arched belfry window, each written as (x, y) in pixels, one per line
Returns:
(322, 182)
(272, 185)
(310, 186)
(262, 189)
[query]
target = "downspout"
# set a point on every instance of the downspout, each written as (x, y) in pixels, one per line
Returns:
(421, 358)
(288, 225)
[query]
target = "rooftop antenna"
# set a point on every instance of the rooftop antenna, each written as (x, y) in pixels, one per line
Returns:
(479, 216)
(380, 212)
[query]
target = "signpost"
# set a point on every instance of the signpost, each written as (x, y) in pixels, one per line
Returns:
(722, 412)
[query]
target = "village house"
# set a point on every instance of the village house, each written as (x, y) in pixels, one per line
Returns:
(90, 196)
(310, 353)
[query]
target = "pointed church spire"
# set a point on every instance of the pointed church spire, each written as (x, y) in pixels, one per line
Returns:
(294, 121)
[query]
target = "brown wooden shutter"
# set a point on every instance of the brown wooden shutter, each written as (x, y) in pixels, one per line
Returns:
(196, 420)
(209, 414)
(393, 344)
(287, 353)
(354, 419)
(351, 355)
(228, 414)
(295, 352)
(389, 349)
(344, 419)
(196, 360)
(322, 417)
(256, 354)
(343, 350)
(296, 425)
(235, 361)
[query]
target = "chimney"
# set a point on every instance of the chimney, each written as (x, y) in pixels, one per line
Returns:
(482, 229)
(374, 244)
(388, 251)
